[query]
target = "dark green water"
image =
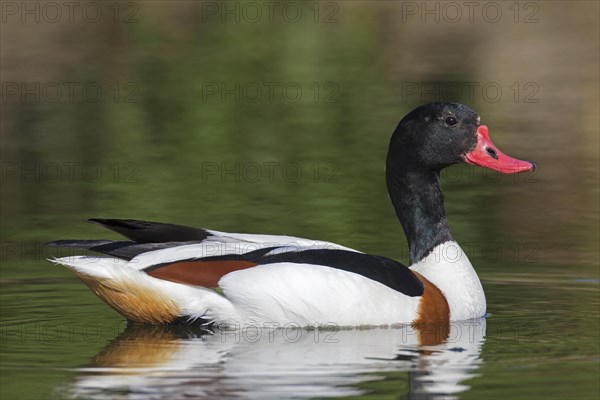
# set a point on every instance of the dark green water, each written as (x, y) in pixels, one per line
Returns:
(281, 125)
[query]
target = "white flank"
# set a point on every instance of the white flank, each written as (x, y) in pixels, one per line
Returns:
(314, 295)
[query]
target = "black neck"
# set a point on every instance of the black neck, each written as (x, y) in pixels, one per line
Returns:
(419, 202)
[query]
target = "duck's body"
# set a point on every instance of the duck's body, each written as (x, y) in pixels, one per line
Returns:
(281, 280)
(167, 272)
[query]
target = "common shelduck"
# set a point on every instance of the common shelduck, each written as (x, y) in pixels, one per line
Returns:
(166, 273)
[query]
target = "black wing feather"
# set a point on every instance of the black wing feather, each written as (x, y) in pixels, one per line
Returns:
(129, 250)
(152, 232)
(80, 244)
(125, 250)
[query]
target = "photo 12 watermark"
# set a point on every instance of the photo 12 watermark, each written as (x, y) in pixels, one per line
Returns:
(27, 252)
(53, 12)
(271, 331)
(268, 172)
(470, 91)
(70, 92)
(69, 172)
(452, 12)
(252, 12)
(60, 332)
(270, 92)
(515, 252)
(469, 174)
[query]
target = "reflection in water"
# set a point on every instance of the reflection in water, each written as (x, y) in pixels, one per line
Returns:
(182, 362)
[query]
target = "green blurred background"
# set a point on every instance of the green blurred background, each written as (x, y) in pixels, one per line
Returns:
(163, 110)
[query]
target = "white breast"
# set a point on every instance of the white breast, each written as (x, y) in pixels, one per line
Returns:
(449, 268)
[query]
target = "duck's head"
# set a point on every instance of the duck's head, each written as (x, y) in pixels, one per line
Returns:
(437, 135)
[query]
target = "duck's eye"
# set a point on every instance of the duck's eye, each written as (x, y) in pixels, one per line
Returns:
(451, 121)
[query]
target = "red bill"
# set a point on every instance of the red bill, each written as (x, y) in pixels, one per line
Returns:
(487, 155)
